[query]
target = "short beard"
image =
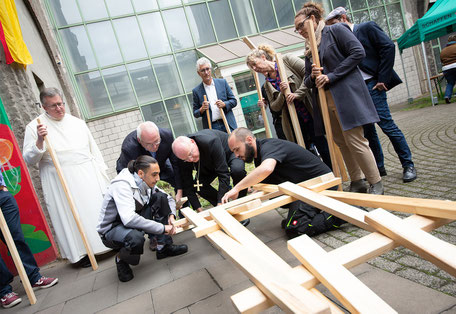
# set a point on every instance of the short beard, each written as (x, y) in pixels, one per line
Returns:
(249, 153)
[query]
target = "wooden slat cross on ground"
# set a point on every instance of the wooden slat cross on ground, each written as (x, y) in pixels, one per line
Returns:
(297, 293)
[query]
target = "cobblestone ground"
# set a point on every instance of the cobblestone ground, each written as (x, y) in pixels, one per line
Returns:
(431, 135)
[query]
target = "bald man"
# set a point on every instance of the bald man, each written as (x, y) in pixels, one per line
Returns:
(149, 139)
(207, 153)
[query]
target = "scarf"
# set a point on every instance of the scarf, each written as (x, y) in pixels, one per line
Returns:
(308, 51)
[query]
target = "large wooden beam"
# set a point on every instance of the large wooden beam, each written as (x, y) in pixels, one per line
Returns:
(421, 206)
(252, 46)
(349, 255)
(280, 286)
(437, 251)
(184, 222)
(70, 201)
(211, 226)
(291, 107)
(346, 212)
(268, 205)
(348, 289)
(323, 104)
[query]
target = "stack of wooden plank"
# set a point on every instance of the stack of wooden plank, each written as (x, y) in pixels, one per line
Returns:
(293, 289)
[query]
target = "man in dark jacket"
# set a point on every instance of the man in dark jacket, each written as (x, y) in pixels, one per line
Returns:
(205, 155)
(148, 139)
(379, 76)
(219, 97)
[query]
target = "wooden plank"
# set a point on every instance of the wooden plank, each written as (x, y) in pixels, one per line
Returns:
(16, 258)
(270, 188)
(208, 115)
(349, 255)
(213, 226)
(341, 163)
(421, 206)
(225, 122)
(291, 107)
(271, 204)
(205, 213)
(263, 108)
(69, 197)
(284, 199)
(323, 103)
(346, 212)
(436, 251)
(348, 289)
(279, 286)
(241, 234)
(252, 46)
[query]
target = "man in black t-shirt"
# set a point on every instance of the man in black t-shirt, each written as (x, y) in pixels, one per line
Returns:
(278, 161)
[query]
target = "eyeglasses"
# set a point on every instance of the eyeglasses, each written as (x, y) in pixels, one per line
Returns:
(156, 143)
(54, 106)
(189, 156)
(205, 70)
(301, 25)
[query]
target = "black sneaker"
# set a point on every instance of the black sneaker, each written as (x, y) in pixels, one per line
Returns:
(171, 250)
(124, 271)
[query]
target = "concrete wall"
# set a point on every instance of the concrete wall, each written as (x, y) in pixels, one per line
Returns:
(42, 64)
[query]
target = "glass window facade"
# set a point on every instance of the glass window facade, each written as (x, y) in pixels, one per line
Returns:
(126, 54)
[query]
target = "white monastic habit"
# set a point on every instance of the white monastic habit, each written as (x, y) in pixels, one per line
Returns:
(85, 173)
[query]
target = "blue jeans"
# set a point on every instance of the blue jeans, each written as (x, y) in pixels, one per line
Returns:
(450, 76)
(11, 212)
(388, 127)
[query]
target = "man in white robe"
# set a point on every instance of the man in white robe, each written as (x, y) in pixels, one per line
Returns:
(83, 168)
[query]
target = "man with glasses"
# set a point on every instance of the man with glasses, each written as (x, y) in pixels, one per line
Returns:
(205, 155)
(83, 168)
(149, 139)
(379, 77)
(219, 96)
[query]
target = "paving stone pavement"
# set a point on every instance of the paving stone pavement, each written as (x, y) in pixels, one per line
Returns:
(431, 135)
(203, 280)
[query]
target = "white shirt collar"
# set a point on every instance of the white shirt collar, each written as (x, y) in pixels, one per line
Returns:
(212, 84)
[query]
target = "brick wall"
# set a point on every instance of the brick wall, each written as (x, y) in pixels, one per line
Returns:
(399, 93)
(109, 134)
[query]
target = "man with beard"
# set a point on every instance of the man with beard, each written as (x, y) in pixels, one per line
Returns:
(279, 161)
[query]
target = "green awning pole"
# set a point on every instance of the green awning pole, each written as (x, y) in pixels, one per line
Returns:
(427, 73)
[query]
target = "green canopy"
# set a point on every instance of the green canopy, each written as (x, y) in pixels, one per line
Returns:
(438, 21)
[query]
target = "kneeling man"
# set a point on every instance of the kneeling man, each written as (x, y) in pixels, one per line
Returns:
(279, 161)
(132, 206)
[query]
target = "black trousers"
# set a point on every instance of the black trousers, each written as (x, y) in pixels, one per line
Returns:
(129, 241)
(237, 172)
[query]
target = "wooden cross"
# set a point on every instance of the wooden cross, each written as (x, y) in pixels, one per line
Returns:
(197, 185)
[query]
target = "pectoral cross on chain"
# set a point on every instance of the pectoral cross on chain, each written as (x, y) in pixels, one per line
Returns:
(197, 185)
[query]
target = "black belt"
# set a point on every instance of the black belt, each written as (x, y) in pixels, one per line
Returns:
(218, 121)
(369, 80)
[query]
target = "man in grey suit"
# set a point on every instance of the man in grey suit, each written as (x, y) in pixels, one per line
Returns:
(219, 96)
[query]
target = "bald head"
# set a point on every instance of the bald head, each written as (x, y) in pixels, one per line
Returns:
(148, 136)
(185, 149)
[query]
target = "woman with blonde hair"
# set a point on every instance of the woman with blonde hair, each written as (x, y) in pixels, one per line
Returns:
(261, 60)
(349, 102)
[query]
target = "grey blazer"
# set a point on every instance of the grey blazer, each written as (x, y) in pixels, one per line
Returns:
(340, 53)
